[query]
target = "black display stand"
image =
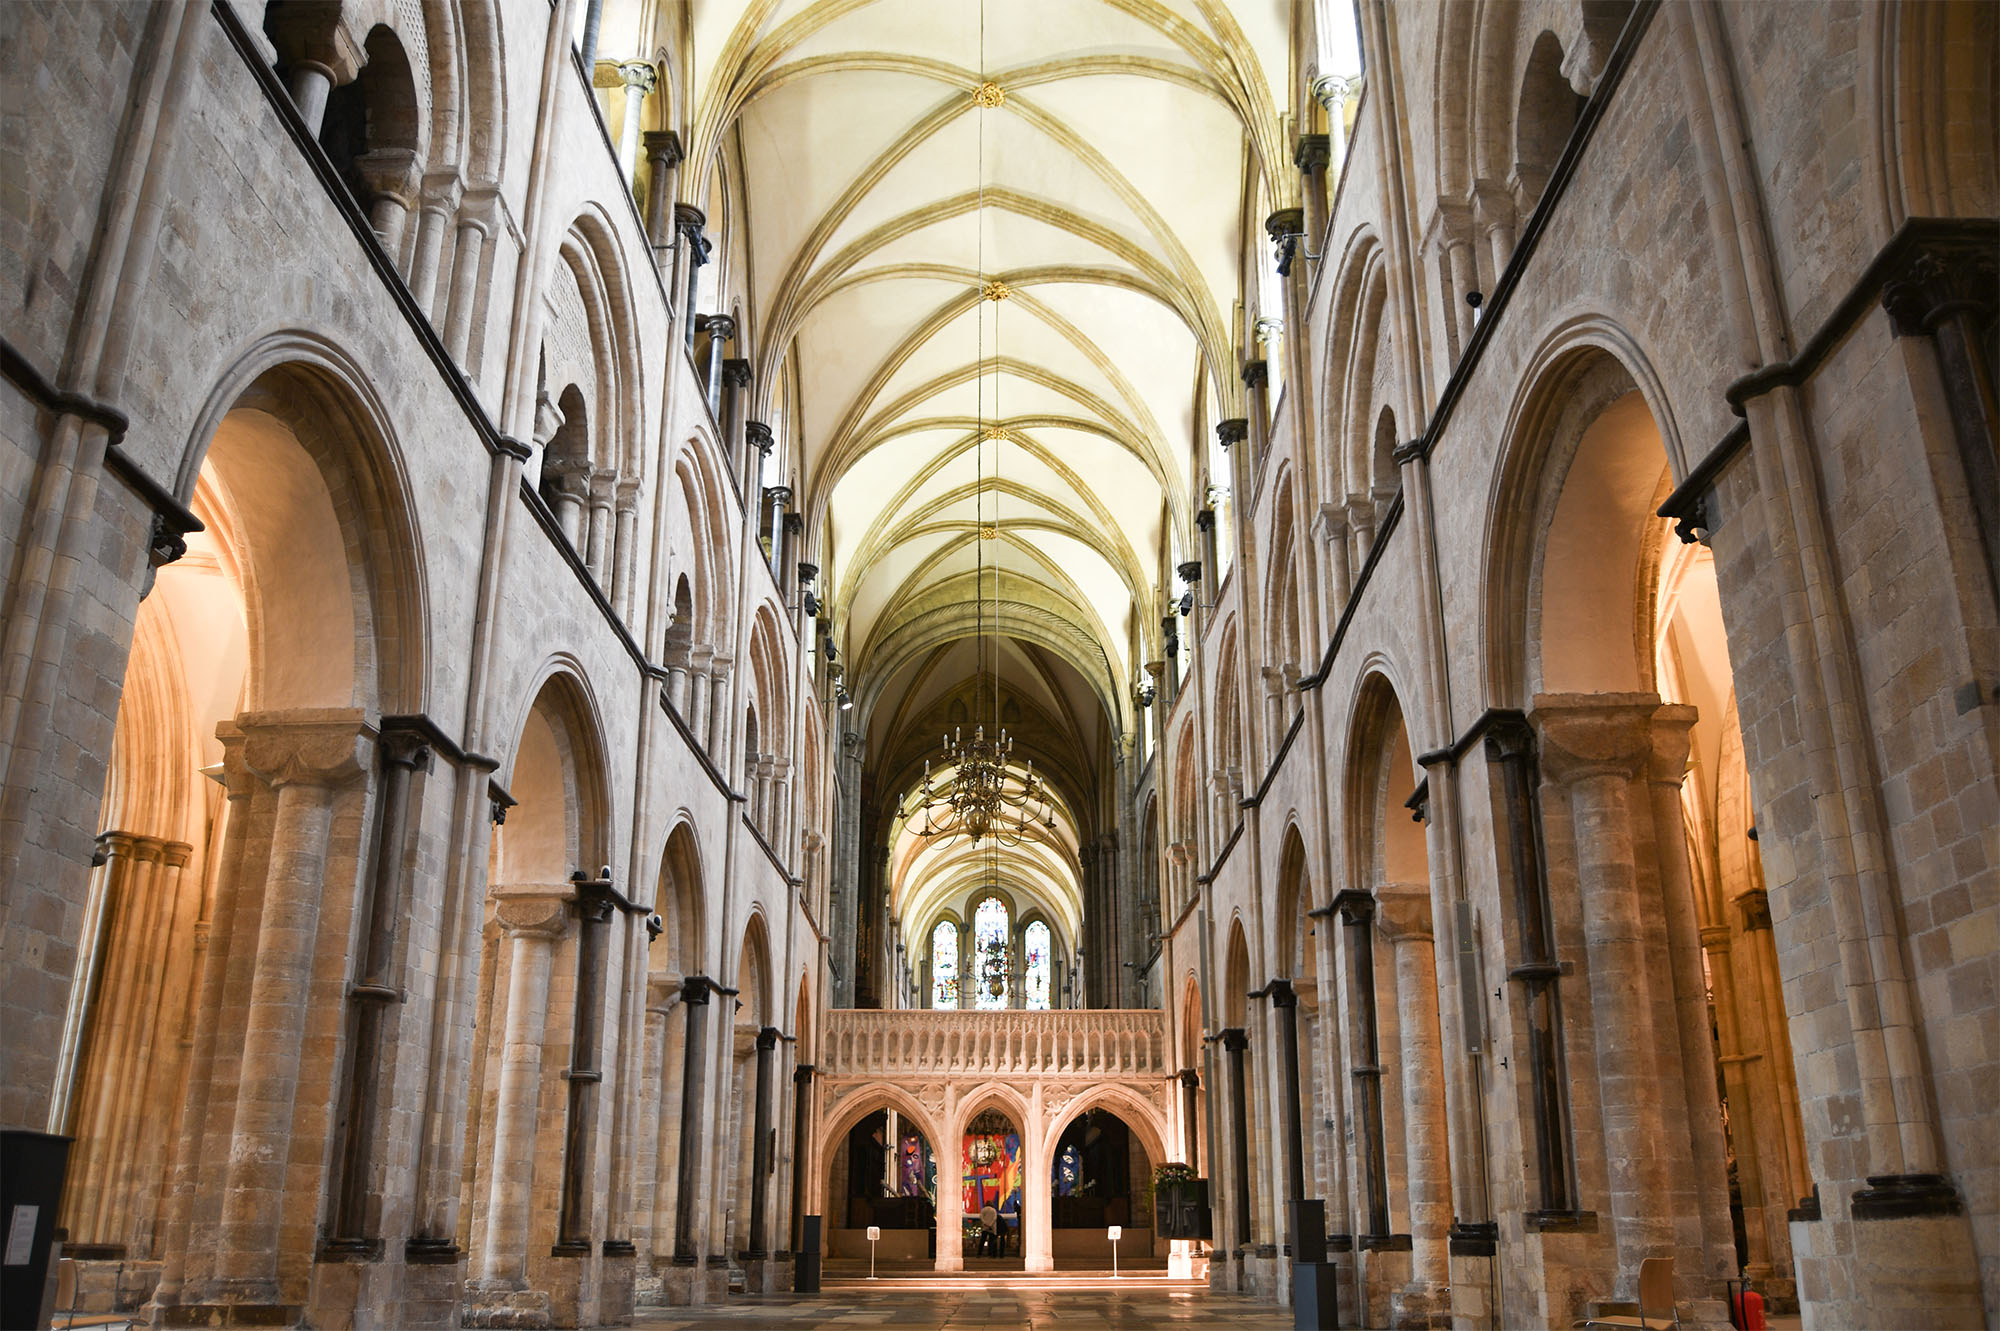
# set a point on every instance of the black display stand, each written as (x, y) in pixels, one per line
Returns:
(805, 1262)
(32, 1165)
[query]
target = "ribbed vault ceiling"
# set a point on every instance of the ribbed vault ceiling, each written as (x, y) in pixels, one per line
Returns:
(1107, 193)
(1110, 193)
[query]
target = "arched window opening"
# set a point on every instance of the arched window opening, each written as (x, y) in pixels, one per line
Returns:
(989, 941)
(1548, 111)
(944, 965)
(371, 131)
(1037, 967)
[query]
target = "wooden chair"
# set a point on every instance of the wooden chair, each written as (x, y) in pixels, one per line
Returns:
(1656, 1300)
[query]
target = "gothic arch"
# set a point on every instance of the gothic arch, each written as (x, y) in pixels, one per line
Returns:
(1140, 1114)
(1931, 101)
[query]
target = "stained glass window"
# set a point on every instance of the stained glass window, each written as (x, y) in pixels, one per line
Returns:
(944, 965)
(989, 929)
(1036, 967)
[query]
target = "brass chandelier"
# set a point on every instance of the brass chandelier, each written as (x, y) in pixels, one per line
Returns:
(981, 797)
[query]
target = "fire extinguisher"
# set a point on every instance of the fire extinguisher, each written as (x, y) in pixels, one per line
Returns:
(1746, 1310)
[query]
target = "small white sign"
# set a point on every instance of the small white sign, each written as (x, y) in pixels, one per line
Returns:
(1117, 1232)
(21, 1234)
(874, 1233)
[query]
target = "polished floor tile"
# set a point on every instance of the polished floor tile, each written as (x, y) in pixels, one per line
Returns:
(968, 1305)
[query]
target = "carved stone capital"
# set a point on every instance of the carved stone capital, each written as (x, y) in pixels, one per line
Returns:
(639, 75)
(759, 435)
(1232, 431)
(394, 173)
(307, 746)
(1673, 729)
(663, 148)
(1584, 735)
(1313, 153)
(735, 370)
(1403, 914)
(689, 218)
(1256, 374)
(531, 914)
(1755, 908)
(1938, 282)
(1354, 905)
(720, 328)
(1285, 222)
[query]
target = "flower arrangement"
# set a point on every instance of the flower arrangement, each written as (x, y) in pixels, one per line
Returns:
(1172, 1173)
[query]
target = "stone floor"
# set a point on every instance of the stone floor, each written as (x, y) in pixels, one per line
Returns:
(1058, 1304)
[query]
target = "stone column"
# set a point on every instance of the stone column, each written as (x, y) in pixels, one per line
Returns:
(596, 550)
(1285, 1003)
(1339, 578)
(802, 1093)
(688, 259)
(531, 925)
(392, 178)
(442, 191)
(624, 548)
(717, 710)
(1704, 1189)
(356, 1226)
(1464, 281)
(1190, 1126)
(760, 1150)
(1357, 915)
(594, 909)
(1234, 1042)
(1494, 208)
(1312, 156)
(1257, 400)
(571, 486)
(1405, 919)
(118, 1001)
(188, 1174)
(756, 446)
(307, 757)
(1287, 227)
(694, 703)
(1361, 530)
(1593, 748)
(663, 153)
(732, 420)
(639, 79)
(474, 225)
(695, 992)
(1510, 751)
(721, 332)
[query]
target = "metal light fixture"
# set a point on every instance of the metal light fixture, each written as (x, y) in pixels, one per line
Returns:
(995, 967)
(982, 797)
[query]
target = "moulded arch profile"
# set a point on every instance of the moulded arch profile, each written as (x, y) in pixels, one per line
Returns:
(679, 899)
(596, 262)
(994, 1095)
(1379, 776)
(559, 731)
(1136, 1111)
(1585, 364)
(305, 463)
(859, 1105)
(753, 970)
